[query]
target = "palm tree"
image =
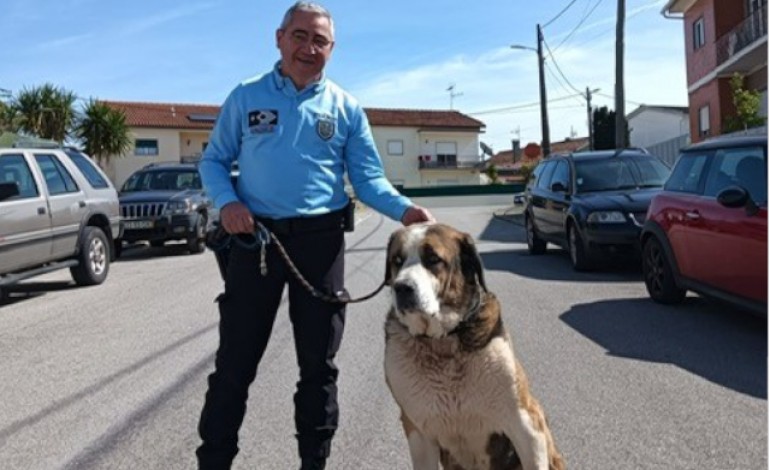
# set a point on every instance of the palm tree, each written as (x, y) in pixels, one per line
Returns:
(46, 111)
(103, 131)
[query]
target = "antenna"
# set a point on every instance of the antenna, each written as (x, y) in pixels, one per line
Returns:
(452, 95)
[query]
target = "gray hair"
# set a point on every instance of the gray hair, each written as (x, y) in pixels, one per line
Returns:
(310, 7)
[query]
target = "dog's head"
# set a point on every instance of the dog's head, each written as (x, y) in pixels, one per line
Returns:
(436, 277)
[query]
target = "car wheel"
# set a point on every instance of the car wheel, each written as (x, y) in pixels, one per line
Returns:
(197, 242)
(93, 258)
(659, 274)
(581, 259)
(535, 244)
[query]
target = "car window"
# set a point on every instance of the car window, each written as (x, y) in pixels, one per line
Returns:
(606, 174)
(86, 166)
(544, 181)
(745, 166)
(687, 173)
(57, 178)
(163, 180)
(652, 172)
(561, 174)
(14, 169)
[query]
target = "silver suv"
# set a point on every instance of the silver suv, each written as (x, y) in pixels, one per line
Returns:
(57, 210)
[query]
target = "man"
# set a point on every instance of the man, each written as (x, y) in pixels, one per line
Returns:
(293, 134)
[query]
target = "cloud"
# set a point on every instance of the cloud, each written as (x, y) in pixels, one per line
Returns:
(160, 18)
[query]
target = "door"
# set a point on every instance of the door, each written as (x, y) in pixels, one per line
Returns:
(25, 227)
(539, 202)
(67, 204)
(729, 246)
(559, 201)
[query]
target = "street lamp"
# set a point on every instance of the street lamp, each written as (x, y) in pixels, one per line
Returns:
(543, 100)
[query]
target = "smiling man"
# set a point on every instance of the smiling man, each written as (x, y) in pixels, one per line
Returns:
(293, 134)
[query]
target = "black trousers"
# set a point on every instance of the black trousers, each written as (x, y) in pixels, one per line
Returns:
(248, 309)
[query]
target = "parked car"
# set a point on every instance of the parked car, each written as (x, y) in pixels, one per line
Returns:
(163, 202)
(591, 203)
(707, 230)
(58, 211)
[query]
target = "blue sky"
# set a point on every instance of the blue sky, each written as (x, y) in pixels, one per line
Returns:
(388, 54)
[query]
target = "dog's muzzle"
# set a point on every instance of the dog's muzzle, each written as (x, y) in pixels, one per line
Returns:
(405, 295)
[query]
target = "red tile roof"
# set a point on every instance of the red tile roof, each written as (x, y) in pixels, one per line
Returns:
(183, 116)
(167, 115)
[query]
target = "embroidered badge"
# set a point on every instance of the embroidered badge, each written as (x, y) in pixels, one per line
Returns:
(325, 126)
(263, 121)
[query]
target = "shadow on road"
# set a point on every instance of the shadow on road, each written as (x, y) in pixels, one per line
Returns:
(555, 266)
(504, 228)
(714, 341)
(29, 290)
(142, 252)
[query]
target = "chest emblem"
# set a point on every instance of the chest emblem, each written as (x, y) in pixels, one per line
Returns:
(325, 127)
(262, 121)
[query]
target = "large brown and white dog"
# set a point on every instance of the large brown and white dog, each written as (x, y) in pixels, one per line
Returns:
(449, 361)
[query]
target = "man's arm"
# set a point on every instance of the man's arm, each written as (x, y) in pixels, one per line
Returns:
(223, 148)
(368, 176)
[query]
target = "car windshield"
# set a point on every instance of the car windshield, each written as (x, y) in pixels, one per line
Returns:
(163, 180)
(614, 174)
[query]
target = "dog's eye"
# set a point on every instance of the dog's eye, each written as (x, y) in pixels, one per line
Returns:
(398, 261)
(433, 259)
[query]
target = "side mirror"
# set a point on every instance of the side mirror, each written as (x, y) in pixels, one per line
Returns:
(8, 190)
(558, 187)
(736, 196)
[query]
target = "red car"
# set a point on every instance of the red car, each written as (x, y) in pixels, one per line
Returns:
(707, 230)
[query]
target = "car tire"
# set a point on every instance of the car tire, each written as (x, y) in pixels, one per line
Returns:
(535, 244)
(659, 274)
(580, 257)
(93, 258)
(197, 242)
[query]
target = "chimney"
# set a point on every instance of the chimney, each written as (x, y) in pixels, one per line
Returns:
(516, 146)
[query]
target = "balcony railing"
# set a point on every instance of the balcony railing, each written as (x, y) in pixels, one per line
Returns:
(742, 36)
(430, 163)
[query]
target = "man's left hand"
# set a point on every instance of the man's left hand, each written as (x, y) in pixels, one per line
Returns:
(416, 214)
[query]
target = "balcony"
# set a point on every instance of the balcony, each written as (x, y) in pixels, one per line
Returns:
(448, 162)
(738, 49)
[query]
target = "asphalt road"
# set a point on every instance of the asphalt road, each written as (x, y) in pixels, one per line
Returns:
(113, 376)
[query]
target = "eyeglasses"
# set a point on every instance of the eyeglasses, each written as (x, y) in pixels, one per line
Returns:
(301, 37)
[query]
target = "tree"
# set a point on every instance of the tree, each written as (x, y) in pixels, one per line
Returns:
(746, 106)
(104, 132)
(604, 128)
(493, 174)
(7, 118)
(46, 111)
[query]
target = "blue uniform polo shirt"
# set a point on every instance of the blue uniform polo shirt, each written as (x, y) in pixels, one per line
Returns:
(292, 148)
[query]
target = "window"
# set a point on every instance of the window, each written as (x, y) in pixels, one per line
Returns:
(57, 178)
(698, 34)
(14, 169)
(704, 123)
(146, 147)
(88, 169)
(739, 166)
(687, 174)
(446, 153)
(561, 174)
(395, 147)
(544, 181)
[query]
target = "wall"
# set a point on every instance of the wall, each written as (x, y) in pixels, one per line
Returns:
(401, 169)
(652, 126)
(120, 168)
(702, 61)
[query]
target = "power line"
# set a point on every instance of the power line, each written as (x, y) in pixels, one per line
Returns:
(580, 23)
(553, 59)
(520, 106)
(559, 14)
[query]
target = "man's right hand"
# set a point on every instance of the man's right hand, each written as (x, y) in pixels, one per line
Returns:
(236, 218)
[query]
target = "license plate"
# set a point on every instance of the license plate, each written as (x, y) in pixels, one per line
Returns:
(137, 224)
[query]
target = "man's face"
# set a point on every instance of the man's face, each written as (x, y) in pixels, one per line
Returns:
(305, 44)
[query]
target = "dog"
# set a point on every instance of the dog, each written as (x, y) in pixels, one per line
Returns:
(449, 361)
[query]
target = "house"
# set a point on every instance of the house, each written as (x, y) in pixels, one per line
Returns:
(417, 147)
(722, 37)
(508, 167)
(661, 130)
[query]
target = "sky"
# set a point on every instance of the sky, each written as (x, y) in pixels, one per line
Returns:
(388, 54)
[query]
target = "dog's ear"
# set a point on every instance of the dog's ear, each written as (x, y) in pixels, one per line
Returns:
(388, 274)
(470, 261)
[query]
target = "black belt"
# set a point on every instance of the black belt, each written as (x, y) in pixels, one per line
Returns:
(314, 223)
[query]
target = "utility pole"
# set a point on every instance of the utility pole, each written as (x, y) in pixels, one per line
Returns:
(452, 95)
(620, 100)
(543, 100)
(590, 120)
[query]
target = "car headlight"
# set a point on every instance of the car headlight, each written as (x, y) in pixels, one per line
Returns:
(178, 207)
(606, 217)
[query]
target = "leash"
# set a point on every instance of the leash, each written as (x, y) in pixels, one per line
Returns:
(263, 237)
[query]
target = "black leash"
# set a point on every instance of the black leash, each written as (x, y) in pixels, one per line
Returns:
(220, 239)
